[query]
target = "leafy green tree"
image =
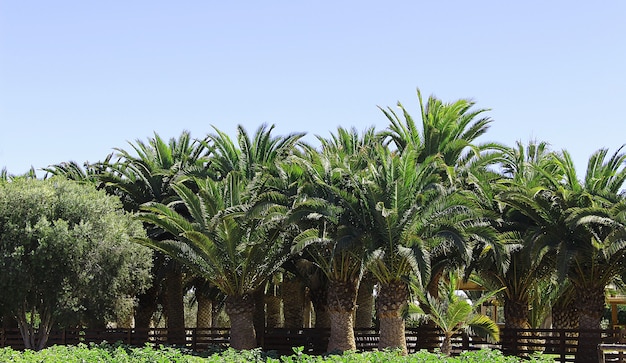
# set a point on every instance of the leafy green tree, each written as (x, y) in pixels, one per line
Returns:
(66, 256)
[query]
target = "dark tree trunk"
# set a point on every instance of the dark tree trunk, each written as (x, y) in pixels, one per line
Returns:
(365, 302)
(146, 306)
(565, 316)
(274, 316)
(204, 316)
(292, 290)
(319, 299)
(516, 314)
(175, 312)
(258, 317)
(240, 310)
(590, 302)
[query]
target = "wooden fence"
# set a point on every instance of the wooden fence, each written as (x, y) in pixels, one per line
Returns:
(559, 342)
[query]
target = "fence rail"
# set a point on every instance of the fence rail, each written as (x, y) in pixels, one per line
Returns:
(560, 342)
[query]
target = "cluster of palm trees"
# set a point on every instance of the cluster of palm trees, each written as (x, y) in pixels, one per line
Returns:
(399, 208)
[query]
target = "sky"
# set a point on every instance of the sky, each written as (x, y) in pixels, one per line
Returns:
(80, 78)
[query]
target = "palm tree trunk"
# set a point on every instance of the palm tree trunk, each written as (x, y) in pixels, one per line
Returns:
(292, 290)
(258, 318)
(565, 316)
(240, 310)
(204, 316)
(365, 302)
(341, 306)
(590, 302)
(274, 316)
(516, 316)
(319, 298)
(146, 306)
(391, 300)
(446, 345)
(175, 310)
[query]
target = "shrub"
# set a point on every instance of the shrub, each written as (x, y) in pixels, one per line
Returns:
(107, 353)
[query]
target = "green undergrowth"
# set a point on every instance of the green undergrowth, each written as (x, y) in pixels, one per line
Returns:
(125, 354)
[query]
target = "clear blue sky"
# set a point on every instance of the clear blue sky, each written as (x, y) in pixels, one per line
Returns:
(78, 78)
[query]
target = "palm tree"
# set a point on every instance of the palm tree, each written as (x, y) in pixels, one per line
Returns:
(411, 216)
(448, 130)
(590, 249)
(248, 156)
(223, 244)
(522, 266)
(147, 176)
(575, 220)
(452, 313)
(254, 156)
(334, 178)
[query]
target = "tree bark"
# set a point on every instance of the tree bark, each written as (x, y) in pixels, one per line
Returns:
(565, 316)
(240, 310)
(516, 313)
(174, 307)
(146, 306)
(446, 345)
(204, 316)
(34, 338)
(258, 318)
(365, 303)
(274, 316)
(341, 332)
(319, 299)
(392, 298)
(341, 306)
(590, 303)
(292, 290)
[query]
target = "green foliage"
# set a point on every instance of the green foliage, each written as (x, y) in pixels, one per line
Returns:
(66, 254)
(106, 353)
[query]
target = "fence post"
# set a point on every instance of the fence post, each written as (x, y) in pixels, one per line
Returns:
(194, 338)
(562, 341)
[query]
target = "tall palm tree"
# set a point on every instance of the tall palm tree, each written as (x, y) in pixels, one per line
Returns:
(575, 220)
(223, 244)
(522, 168)
(253, 156)
(334, 176)
(448, 129)
(593, 256)
(146, 175)
(412, 217)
